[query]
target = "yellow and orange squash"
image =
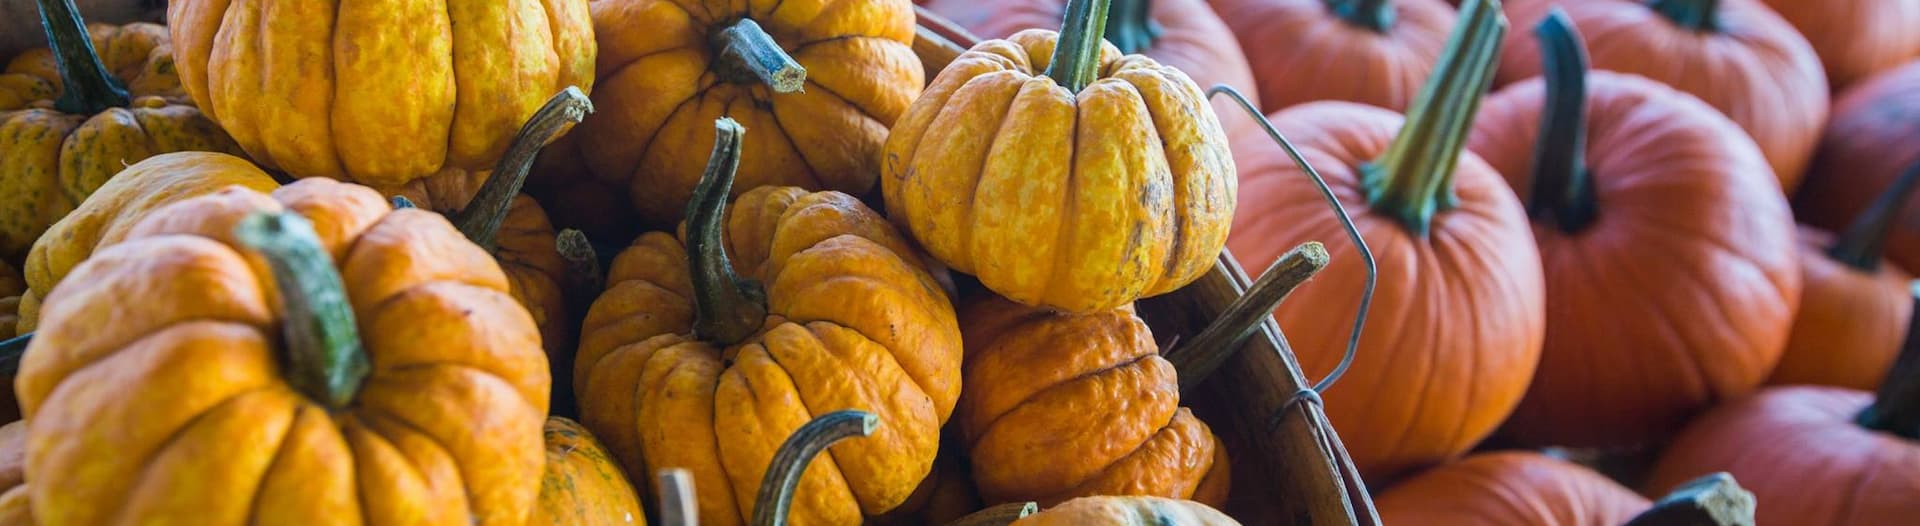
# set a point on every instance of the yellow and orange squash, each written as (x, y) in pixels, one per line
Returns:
(583, 485)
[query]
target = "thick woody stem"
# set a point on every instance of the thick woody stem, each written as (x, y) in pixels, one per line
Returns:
(771, 505)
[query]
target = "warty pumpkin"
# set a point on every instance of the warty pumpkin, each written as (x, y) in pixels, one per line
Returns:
(1128, 511)
(1853, 309)
(1737, 55)
(1855, 38)
(1509, 487)
(583, 485)
(1650, 210)
(703, 354)
(293, 358)
(1062, 174)
(822, 79)
(1460, 288)
(53, 156)
(1374, 52)
(139, 55)
(1864, 149)
(944, 496)
(379, 94)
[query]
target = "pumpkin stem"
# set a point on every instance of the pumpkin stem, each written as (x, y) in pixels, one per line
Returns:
(1201, 355)
(1562, 192)
(87, 87)
(11, 350)
(1714, 499)
(1697, 15)
(770, 506)
(748, 55)
(727, 308)
(480, 219)
(1076, 55)
(677, 506)
(1896, 408)
(1130, 25)
(1861, 245)
(400, 202)
(1414, 179)
(324, 359)
(584, 278)
(1000, 515)
(1376, 15)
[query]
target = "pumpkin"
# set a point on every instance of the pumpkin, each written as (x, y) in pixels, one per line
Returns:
(583, 484)
(1374, 52)
(15, 507)
(686, 362)
(944, 496)
(12, 286)
(139, 55)
(1460, 275)
(1864, 149)
(53, 156)
(1110, 180)
(1128, 511)
(365, 417)
(1855, 38)
(1650, 209)
(1853, 309)
(1737, 55)
(318, 96)
(1509, 487)
(823, 79)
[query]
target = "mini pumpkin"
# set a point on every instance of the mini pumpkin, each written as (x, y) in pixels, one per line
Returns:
(583, 485)
(1062, 174)
(822, 80)
(245, 357)
(704, 354)
(1854, 310)
(53, 156)
(1128, 511)
(1374, 52)
(139, 55)
(1855, 38)
(1509, 487)
(1866, 146)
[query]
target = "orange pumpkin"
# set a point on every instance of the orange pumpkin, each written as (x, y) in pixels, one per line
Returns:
(583, 485)
(1866, 147)
(685, 364)
(1459, 309)
(285, 359)
(16, 508)
(1737, 55)
(1855, 38)
(1374, 52)
(1511, 487)
(1128, 511)
(138, 55)
(1854, 309)
(1649, 209)
(944, 496)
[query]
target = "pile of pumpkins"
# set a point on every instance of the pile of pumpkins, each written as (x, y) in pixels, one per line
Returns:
(303, 263)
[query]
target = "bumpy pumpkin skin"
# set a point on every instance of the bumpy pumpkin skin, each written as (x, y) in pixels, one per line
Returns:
(1855, 38)
(1799, 452)
(1509, 488)
(1479, 257)
(140, 54)
(854, 322)
(16, 508)
(1302, 52)
(660, 95)
(583, 485)
(153, 391)
(1128, 511)
(107, 216)
(1134, 202)
(1758, 70)
(1865, 147)
(1687, 224)
(1850, 323)
(312, 89)
(1073, 405)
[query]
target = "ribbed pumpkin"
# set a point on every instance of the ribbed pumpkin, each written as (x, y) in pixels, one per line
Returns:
(1509, 487)
(379, 94)
(1651, 210)
(1374, 52)
(16, 509)
(685, 363)
(1457, 319)
(53, 156)
(822, 80)
(1855, 38)
(1737, 55)
(107, 216)
(583, 485)
(1064, 176)
(139, 55)
(1866, 147)
(944, 496)
(1854, 308)
(285, 359)
(1128, 511)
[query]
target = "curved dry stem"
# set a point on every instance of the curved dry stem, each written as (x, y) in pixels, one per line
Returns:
(1203, 354)
(480, 219)
(771, 505)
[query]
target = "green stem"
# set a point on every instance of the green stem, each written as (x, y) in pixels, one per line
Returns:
(1203, 354)
(727, 308)
(771, 505)
(87, 87)
(1712, 500)
(480, 219)
(400, 202)
(1076, 56)
(1697, 15)
(748, 55)
(1130, 25)
(1562, 191)
(324, 359)
(1862, 244)
(1414, 180)
(1375, 15)
(11, 351)
(1896, 407)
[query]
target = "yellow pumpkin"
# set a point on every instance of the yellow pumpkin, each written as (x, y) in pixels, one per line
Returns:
(583, 485)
